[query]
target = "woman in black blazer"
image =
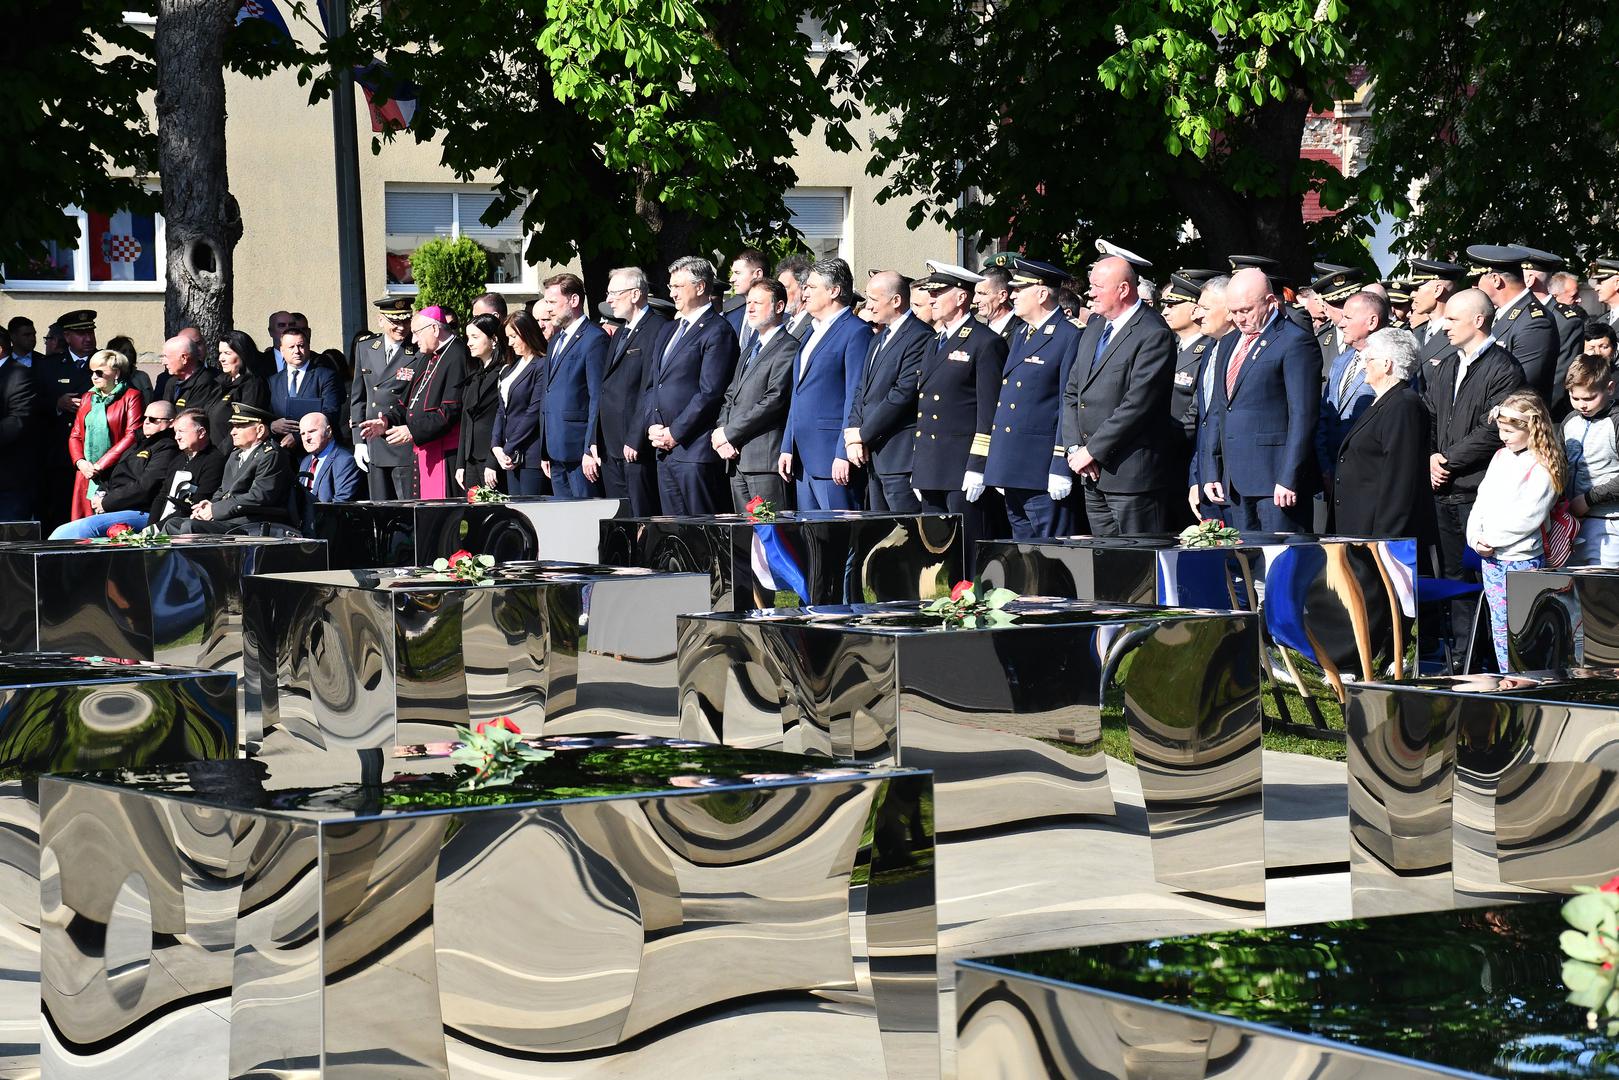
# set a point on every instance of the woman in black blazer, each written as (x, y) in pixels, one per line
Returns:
(239, 386)
(480, 397)
(1381, 483)
(518, 436)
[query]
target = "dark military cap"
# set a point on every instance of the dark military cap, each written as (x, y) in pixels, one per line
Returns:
(394, 308)
(1199, 277)
(661, 306)
(1536, 259)
(1027, 272)
(1337, 283)
(1495, 259)
(1108, 248)
(1399, 291)
(607, 319)
(947, 276)
(1603, 269)
(1180, 290)
(1003, 259)
(243, 413)
(1266, 265)
(1436, 270)
(83, 319)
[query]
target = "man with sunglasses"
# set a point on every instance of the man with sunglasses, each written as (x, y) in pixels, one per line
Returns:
(134, 481)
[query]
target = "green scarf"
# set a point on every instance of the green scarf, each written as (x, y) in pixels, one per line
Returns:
(97, 436)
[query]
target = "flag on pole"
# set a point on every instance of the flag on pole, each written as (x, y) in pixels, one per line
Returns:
(394, 114)
(265, 10)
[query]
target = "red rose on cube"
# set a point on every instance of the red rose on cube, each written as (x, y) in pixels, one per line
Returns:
(459, 555)
(497, 722)
(962, 589)
(754, 503)
(118, 530)
(472, 494)
(1611, 885)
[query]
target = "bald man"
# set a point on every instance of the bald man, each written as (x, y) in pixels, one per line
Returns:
(1260, 469)
(190, 385)
(880, 431)
(1116, 423)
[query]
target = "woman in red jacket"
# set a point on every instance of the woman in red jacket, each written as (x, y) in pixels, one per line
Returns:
(108, 423)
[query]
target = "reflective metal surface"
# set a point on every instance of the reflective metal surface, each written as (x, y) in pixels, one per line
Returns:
(222, 921)
(414, 533)
(13, 531)
(357, 660)
(1474, 993)
(1335, 610)
(810, 557)
(62, 713)
(1010, 718)
(1563, 618)
(1482, 788)
(180, 603)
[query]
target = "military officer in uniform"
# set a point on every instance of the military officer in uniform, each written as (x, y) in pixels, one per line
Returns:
(1605, 280)
(992, 296)
(1521, 325)
(1399, 293)
(382, 364)
(1567, 319)
(1333, 285)
(1433, 281)
(1179, 300)
(956, 391)
(1026, 459)
(60, 380)
(256, 482)
(1271, 268)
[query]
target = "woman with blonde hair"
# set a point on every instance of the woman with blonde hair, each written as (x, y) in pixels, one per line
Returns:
(108, 422)
(1523, 482)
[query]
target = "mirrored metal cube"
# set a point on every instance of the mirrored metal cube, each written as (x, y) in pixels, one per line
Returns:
(403, 533)
(14, 531)
(62, 713)
(806, 557)
(1563, 618)
(1010, 714)
(175, 603)
(598, 910)
(363, 660)
(1481, 788)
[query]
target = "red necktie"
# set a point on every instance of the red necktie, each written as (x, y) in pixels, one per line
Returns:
(1234, 368)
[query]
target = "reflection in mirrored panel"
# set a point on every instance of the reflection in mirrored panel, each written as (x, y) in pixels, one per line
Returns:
(602, 909)
(415, 532)
(359, 660)
(1563, 618)
(807, 557)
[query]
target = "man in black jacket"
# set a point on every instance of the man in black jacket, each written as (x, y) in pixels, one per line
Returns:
(618, 441)
(194, 471)
(1459, 393)
(17, 461)
(880, 432)
(134, 480)
(255, 485)
(748, 438)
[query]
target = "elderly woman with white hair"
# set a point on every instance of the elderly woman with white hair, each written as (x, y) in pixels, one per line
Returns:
(1382, 468)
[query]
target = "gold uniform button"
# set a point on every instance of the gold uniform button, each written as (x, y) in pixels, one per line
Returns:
(1003, 383)
(1012, 406)
(918, 434)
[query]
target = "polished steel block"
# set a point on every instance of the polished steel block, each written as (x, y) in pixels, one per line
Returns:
(12, 531)
(1010, 717)
(1563, 618)
(1333, 610)
(1482, 788)
(362, 660)
(230, 921)
(415, 532)
(1417, 997)
(178, 603)
(812, 557)
(61, 713)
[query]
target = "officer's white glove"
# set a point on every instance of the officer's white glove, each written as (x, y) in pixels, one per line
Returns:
(1059, 487)
(973, 484)
(362, 455)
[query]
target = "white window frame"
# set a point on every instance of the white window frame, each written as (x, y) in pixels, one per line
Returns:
(81, 282)
(846, 237)
(525, 284)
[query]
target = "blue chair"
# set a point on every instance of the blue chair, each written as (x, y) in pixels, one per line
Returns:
(1441, 591)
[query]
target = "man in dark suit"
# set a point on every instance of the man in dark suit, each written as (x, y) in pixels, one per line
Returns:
(956, 390)
(880, 432)
(1116, 424)
(191, 384)
(1521, 326)
(1025, 457)
(792, 272)
(1469, 382)
(687, 373)
(573, 376)
(326, 471)
(378, 361)
(1267, 387)
(17, 460)
(619, 450)
(60, 380)
(255, 483)
(299, 388)
(748, 267)
(1213, 323)
(829, 367)
(751, 419)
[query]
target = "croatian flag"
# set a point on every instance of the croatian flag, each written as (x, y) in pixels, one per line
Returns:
(396, 113)
(266, 10)
(123, 247)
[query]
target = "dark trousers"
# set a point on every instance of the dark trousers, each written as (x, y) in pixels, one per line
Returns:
(689, 488)
(974, 520)
(636, 481)
(569, 481)
(1263, 515)
(891, 494)
(527, 482)
(1035, 516)
(1451, 513)
(815, 493)
(388, 482)
(765, 485)
(1135, 513)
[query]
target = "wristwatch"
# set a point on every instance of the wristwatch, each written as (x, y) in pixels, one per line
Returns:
(1074, 449)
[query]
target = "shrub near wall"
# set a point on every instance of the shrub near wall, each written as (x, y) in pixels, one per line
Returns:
(450, 273)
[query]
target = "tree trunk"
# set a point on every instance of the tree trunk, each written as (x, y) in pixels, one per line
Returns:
(201, 218)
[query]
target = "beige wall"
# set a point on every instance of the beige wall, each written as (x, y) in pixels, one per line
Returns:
(281, 172)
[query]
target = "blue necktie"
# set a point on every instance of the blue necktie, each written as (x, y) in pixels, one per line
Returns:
(753, 353)
(1101, 346)
(674, 339)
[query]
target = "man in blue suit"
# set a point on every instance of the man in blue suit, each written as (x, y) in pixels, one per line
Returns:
(826, 382)
(300, 388)
(1267, 398)
(573, 377)
(1025, 457)
(327, 471)
(747, 268)
(687, 373)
